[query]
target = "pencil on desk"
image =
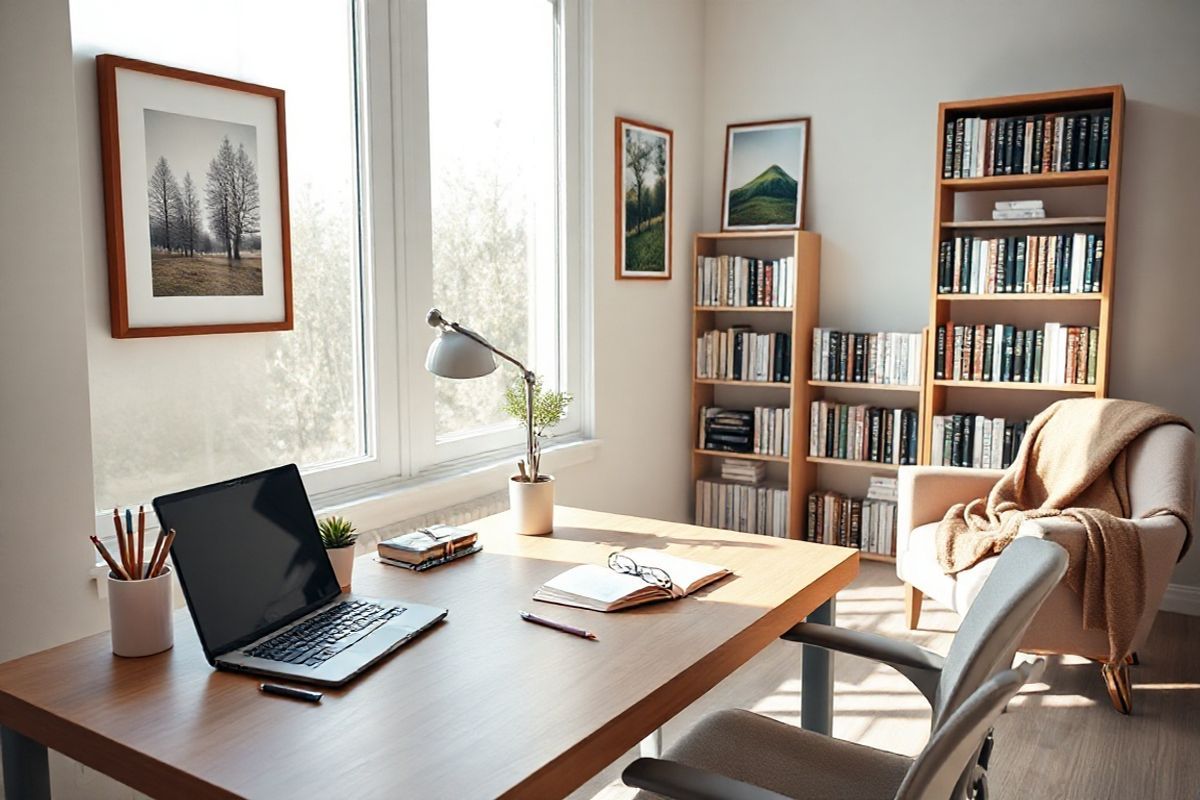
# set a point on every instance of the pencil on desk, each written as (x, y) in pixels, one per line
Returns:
(117, 569)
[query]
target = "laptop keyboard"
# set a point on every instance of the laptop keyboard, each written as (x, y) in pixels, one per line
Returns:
(320, 638)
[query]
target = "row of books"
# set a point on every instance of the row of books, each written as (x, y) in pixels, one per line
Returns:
(740, 354)
(975, 147)
(741, 507)
(763, 431)
(1069, 262)
(1057, 354)
(741, 281)
(863, 433)
(973, 440)
(863, 523)
(884, 358)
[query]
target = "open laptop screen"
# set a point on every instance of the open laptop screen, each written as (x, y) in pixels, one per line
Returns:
(248, 555)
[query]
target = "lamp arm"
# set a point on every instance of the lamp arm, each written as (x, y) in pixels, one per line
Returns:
(531, 456)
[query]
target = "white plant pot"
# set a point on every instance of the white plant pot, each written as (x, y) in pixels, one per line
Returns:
(532, 505)
(342, 559)
(142, 615)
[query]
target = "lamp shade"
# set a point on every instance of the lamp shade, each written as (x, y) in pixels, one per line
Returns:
(453, 355)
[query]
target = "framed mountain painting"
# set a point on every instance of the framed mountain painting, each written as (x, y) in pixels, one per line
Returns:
(766, 168)
(644, 154)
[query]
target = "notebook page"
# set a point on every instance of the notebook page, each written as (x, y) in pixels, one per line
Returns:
(685, 573)
(596, 583)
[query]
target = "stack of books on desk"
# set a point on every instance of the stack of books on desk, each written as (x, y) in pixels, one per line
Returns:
(428, 547)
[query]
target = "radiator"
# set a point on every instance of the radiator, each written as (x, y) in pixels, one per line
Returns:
(460, 514)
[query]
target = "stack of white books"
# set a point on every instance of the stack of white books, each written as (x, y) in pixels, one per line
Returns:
(733, 469)
(1019, 209)
(882, 487)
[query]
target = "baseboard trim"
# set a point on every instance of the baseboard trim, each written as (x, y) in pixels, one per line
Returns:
(1181, 599)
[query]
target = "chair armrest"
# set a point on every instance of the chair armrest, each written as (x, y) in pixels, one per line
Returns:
(925, 494)
(681, 782)
(922, 667)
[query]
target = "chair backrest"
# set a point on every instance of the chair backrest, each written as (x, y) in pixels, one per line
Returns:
(1026, 571)
(1161, 470)
(953, 747)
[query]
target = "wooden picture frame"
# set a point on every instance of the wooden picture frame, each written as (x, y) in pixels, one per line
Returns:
(752, 170)
(195, 278)
(651, 238)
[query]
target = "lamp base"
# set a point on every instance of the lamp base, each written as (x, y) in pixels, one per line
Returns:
(532, 505)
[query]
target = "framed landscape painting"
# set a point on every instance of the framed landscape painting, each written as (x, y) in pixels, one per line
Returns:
(644, 155)
(766, 168)
(195, 195)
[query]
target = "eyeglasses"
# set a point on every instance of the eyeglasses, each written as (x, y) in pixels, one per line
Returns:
(652, 575)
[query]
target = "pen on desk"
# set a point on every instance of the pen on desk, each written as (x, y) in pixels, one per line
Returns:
(290, 691)
(558, 626)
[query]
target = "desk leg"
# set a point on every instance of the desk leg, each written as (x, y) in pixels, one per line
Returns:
(651, 746)
(26, 767)
(816, 704)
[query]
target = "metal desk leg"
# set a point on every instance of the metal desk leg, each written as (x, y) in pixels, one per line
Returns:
(651, 746)
(816, 704)
(26, 767)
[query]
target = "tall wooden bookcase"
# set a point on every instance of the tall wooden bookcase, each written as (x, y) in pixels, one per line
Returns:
(795, 471)
(957, 210)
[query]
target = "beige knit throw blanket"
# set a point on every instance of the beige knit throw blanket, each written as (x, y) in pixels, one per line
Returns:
(1071, 463)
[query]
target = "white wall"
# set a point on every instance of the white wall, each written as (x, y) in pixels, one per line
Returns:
(871, 74)
(648, 65)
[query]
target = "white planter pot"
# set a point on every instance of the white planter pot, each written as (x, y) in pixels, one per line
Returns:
(141, 615)
(532, 505)
(342, 559)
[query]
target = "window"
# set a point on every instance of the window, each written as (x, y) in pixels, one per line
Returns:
(434, 154)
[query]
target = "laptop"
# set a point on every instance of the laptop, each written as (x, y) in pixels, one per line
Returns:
(261, 590)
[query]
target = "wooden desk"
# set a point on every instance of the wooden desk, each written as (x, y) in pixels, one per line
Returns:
(484, 705)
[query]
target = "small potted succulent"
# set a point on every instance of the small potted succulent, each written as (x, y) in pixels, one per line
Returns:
(338, 536)
(531, 492)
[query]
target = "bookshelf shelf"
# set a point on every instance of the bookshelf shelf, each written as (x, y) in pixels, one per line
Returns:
(1047, 222)
(873, 387)
(1068, 388)
(748, 456)
(846, 462)
(867, 555)
(994, 309)
(757, 384)
(804, 248)
(1046, 180)
(745, 309)
(1024, 297)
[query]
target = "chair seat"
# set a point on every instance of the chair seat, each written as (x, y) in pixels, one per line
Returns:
(786, 759)
(918, 565)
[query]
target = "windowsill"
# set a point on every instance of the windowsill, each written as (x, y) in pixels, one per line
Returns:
(374, 505)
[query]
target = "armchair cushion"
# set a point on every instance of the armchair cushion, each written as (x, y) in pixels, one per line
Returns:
(794, 762)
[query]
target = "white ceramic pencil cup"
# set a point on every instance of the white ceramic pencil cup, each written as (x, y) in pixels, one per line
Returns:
(140, 613)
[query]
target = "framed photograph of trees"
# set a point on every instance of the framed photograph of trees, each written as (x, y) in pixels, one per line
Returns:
(766, 171)
(196, 205)
(644, 155)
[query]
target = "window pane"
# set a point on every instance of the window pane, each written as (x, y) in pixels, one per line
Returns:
(174, 412)
(493, 156)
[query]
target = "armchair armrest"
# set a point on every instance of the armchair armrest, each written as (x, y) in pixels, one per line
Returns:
(681, 782)
(922, 667)
(925, 493)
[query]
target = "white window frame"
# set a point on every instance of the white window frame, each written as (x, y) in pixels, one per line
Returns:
(396, 240)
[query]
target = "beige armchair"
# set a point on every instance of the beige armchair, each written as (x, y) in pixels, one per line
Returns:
(1161, 474)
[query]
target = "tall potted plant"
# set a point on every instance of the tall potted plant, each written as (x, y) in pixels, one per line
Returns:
(338, 536)
(530, 491)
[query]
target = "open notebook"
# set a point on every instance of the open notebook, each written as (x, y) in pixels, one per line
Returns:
(600, 588)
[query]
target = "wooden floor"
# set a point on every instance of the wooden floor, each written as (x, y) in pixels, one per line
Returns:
(1060, 738)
